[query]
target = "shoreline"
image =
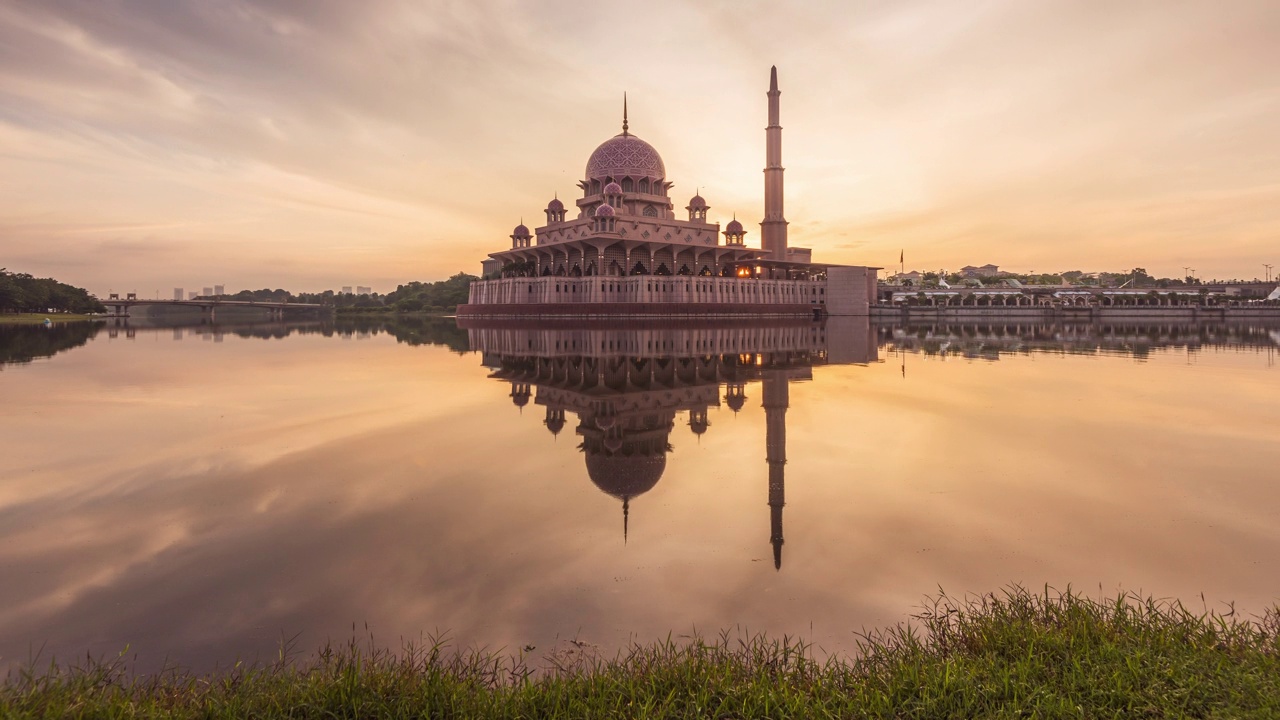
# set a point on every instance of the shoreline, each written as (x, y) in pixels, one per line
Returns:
(38, 318)
(1013, 653)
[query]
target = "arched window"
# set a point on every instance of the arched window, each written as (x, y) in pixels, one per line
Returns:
(626, 185)
(644, 185)
(649, 211)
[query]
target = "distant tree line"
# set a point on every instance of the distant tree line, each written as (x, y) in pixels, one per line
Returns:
(441, 296)
(20, 292)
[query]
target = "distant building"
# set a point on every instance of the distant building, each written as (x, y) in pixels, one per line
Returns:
(914, 277)
(346, 289)
(192, 295)
(970, 271)
(177, 294)
(362, 290)
(206, 291)
(218, 290)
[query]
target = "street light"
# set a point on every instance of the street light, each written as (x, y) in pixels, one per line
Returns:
(1268, 267)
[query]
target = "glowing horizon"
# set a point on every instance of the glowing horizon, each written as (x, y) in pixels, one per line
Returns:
(186, 144)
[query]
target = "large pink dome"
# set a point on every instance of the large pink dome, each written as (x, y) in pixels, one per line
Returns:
(625, 156)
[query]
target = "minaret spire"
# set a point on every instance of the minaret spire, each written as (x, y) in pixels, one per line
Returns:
(777, 398)
(626, 512)
(624, 114)
(773, 230)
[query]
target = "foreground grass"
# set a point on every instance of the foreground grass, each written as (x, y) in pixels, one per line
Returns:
(1006, 655)
(37, 318)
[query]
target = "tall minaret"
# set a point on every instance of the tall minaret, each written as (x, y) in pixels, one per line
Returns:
(776, 401)
(773, 231)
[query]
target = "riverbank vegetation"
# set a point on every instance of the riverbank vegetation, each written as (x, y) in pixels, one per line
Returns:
(416, 297)
(39, 318)
(22, 293)
(1005, 655)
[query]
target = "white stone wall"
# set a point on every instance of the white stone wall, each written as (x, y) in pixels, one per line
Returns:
(648, 289)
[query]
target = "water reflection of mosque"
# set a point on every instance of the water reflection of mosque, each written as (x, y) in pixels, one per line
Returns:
(627, 387)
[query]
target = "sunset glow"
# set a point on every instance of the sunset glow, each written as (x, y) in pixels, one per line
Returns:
(183, 143)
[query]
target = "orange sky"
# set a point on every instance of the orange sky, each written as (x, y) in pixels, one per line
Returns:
(148, 145)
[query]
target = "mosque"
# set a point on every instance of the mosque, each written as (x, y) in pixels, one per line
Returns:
(625, 252)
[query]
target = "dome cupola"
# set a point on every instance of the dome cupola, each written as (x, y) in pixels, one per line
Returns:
(520, 237)
(697, 208)
(604, 218)
(555, 211)
(734, 233)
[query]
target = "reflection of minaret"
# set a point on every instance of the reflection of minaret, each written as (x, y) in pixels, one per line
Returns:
(773, 230)
(776, 401)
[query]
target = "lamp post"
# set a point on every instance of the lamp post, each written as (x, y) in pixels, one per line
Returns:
(1268, 267)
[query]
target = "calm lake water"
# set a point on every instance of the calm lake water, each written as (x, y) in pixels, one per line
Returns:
(199, 493)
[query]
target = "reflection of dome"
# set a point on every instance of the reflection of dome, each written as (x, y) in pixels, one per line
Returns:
(734, 227)
(555, 425)
(555, 204)
(604, 211)
(699, 425)
(613, 188)
(625, 476)
(697, 203)
(625, 156)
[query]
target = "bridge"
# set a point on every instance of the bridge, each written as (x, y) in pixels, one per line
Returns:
(207, 306)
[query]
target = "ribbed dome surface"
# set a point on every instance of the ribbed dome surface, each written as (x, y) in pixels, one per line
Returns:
(625, 476)
(625, 156)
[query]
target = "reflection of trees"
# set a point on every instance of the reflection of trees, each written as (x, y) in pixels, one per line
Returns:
(411, 330)
(991, 340)
(24, 343)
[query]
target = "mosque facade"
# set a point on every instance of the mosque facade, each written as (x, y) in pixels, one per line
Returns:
(625, 251)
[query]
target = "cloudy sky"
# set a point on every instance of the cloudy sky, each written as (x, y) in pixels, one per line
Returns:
(149, 144)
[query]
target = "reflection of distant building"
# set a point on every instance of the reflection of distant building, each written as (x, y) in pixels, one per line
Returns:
(628, 386)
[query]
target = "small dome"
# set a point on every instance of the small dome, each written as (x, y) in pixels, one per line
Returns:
(555, 204)
(734, 227)
(698, 426)
(735, 400)
(613, 188)
(605, 210)
(555, 425)
(520, 231)
(697, 203)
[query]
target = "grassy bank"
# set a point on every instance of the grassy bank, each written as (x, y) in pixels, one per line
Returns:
(1012, 654)
(38, 318)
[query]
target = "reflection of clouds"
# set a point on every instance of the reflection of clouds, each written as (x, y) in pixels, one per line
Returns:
(470, 517)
